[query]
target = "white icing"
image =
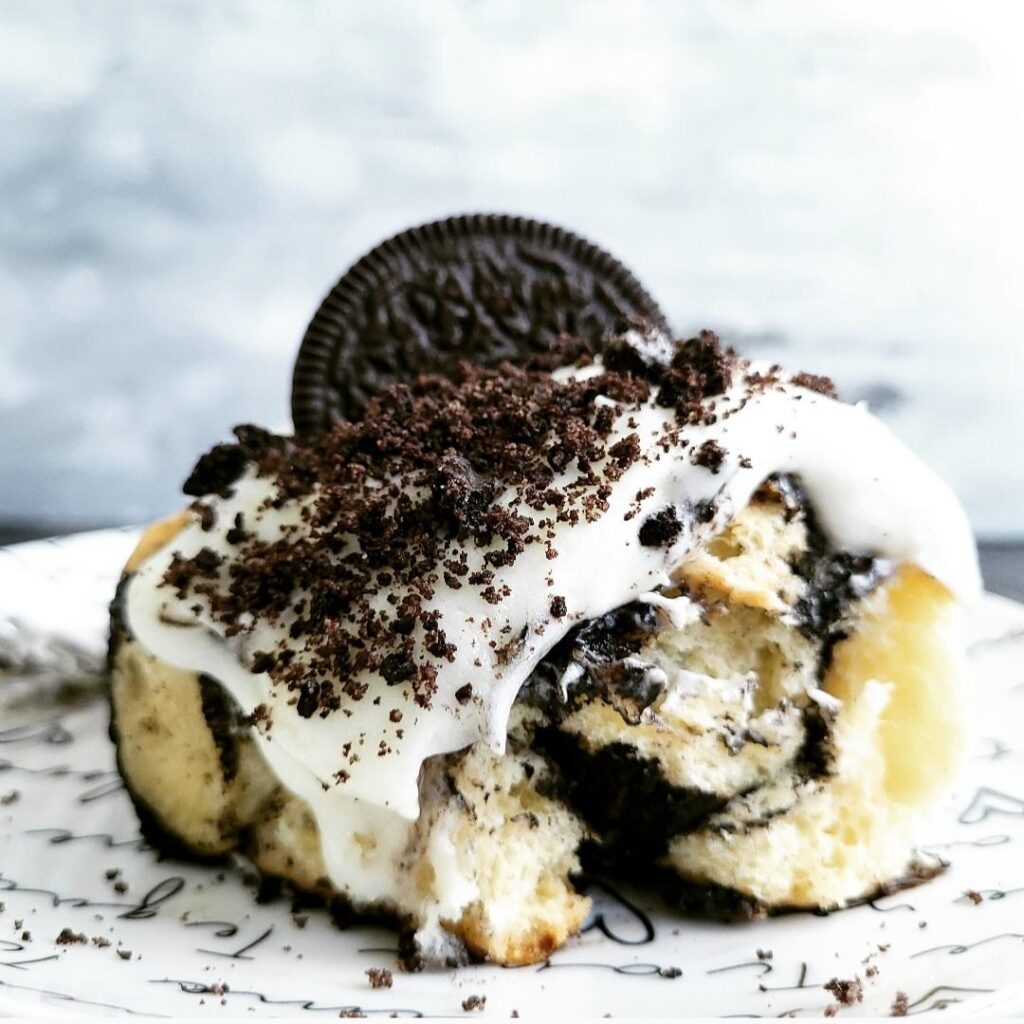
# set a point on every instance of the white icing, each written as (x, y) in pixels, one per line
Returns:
(713, 696)
(827, 702)
(681, 611)
(870, 493)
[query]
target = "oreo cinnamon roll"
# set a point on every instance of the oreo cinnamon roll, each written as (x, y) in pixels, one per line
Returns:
(661, 610)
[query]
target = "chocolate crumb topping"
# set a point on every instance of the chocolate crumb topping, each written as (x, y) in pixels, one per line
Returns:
(207, 515)
(443, 482)
(710, 455)
(262, 662)
(814, 382)
(660, 529)
(222, 466)
(700, 369)
(442, 485)
(182, 572)
(847, 991)
(380, 977)
(217, 470)
(261, 718)
(237, 533)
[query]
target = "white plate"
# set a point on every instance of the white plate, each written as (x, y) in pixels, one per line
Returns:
(192, 929)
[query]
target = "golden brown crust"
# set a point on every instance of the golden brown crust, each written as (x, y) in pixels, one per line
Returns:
(155, 536)
(530, 944)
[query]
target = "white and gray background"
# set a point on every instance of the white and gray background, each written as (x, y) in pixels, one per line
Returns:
(836, 185)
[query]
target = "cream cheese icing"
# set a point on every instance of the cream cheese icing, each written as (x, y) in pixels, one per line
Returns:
(871, 495)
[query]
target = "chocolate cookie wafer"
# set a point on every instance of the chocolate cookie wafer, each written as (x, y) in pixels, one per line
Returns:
(483, 287)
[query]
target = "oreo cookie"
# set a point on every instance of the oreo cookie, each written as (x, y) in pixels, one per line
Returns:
(482, 287)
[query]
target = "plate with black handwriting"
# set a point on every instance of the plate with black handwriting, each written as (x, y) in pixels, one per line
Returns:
(96, 922)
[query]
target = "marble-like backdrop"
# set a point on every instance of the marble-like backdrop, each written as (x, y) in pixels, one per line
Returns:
(837, 185)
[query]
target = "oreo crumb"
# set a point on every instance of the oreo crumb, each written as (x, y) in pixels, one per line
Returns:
(974, 896)
(380, 977)
(765, 954)
(222, 466)
(815, 382)
(847, 991)
(124, 954)
(831, 1010)
(215, 471)
(262, 662)
(10, 798)
(670, 972)
(660, 529)
(900, 1005)
(207, 515)
(558, 607)
(69, 938)
(101, 941)
(261, 718)
(474, 1003)
(710, 455)
(464, 694)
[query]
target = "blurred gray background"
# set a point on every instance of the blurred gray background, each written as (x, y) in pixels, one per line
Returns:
(835, 185)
